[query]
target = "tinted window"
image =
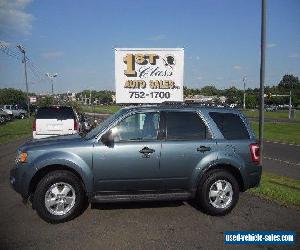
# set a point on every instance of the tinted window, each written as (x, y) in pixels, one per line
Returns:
(105, 124)
(185, 126)
(60, 113)
(230, 125)
(140, 126)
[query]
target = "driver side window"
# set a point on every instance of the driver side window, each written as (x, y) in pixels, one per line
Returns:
(137, 127)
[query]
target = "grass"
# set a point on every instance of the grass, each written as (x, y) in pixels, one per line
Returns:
(15, 130)
(275, 115)
(103, 109)
(281, 189)
(283, 132)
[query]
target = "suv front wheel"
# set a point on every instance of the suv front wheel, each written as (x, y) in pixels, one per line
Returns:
(218, 193)
(59, 197)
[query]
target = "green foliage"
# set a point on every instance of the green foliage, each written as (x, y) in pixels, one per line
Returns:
(45, 101)
(15, 130)
(234, 95)
(289, 82)
(104, 96)
(281, 189)
(281, 131)
(76, 106)
(209, 90)
(251, 101)
(12, 96)
(102, 109)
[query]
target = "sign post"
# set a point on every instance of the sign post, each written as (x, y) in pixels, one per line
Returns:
(149, 75)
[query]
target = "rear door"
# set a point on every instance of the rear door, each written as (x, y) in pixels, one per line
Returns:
(187, 142)
(55, 121)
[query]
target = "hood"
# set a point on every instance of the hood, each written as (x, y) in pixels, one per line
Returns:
(51, 141)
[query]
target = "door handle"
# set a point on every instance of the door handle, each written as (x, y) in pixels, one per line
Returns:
(203, 149)
(147, 150)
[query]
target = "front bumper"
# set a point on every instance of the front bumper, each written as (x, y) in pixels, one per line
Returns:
(20, 177)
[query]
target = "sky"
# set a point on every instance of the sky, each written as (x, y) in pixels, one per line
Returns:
(76, 40)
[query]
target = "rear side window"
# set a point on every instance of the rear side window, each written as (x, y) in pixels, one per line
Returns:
(185, 126)
(60, 113)
(231, 125)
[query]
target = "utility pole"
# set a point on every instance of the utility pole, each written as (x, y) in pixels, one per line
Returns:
(244, 103)
(290, 105)
(23, 51)
(262, 77)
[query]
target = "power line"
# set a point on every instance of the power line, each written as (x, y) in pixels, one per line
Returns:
(6, 50)
(35, 70)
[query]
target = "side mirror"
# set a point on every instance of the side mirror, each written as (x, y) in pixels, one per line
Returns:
(108, 139)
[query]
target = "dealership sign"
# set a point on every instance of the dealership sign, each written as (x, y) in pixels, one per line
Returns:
(149, 75)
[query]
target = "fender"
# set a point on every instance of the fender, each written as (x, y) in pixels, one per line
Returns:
(70, 160)
(216, 159)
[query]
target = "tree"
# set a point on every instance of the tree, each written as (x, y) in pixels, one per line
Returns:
(289, 82)
(210, 90)
(234, 95)
(12, 96)
(45, 101)
(251, 101)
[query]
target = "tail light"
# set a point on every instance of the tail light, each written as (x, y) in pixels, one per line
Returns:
(34, 125)
(75, 125)
(255, 153)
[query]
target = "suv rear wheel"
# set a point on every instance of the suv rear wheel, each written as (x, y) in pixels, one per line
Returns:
(218, 193)
(59, 197)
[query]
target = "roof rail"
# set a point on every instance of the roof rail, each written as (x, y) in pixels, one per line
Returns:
(172, 103)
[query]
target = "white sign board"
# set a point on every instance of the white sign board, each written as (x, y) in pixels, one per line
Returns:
(149, 75)
(32, 99)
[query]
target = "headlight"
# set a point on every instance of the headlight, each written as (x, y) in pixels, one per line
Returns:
(21, 157)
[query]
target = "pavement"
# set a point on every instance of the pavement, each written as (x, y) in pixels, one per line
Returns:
(155, 225)
(282, 159)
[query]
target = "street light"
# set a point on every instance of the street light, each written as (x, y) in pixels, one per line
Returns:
(23, 51)
(51, 76)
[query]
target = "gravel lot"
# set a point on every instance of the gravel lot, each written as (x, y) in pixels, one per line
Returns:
(163, 225)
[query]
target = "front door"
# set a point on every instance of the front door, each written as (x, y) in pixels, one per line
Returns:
(132, 162)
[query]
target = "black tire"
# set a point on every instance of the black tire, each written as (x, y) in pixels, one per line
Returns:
(22, 116)
(49, 180)
(208, 180)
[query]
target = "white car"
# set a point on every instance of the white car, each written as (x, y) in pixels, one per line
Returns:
(14, 111)
(55, 121)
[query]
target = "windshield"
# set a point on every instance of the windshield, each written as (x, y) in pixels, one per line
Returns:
(104, 124)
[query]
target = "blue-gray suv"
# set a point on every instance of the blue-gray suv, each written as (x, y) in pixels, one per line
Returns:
(142, 153)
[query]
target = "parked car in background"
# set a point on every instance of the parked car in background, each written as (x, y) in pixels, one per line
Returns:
(14, 111)
(54, 121)
(86, 124)
(271, 108)
(4, 117)
(7, 111)
(145, 153)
